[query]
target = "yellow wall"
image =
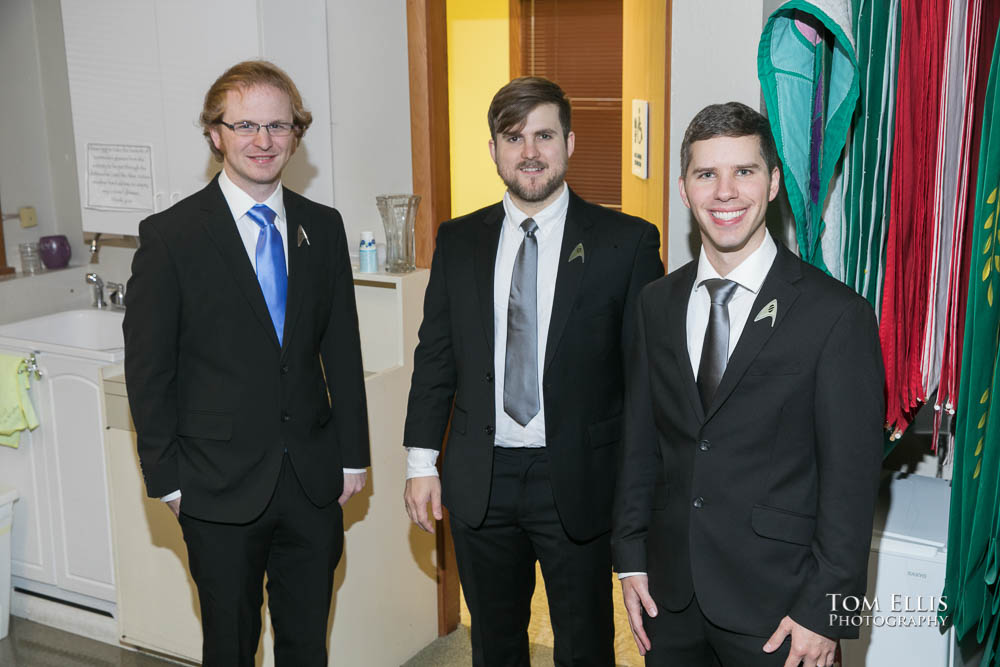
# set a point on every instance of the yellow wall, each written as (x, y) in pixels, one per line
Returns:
(644, 39)
(478, 65)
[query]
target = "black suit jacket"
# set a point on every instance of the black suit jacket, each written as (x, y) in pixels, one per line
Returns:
(582, 385)
(216, 398)
(762, 504)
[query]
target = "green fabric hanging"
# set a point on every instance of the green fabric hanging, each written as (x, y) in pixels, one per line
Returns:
(811, 90)
(971, 577)
(869, 151)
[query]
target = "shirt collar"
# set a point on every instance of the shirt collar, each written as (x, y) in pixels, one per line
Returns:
(751, 272)
(240, 202)
(546, 219)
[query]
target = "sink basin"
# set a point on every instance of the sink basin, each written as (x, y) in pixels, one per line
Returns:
(90, 333)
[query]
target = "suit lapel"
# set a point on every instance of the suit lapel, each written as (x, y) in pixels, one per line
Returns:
(487, 240)
(217, 220)
(298, 256)
(677, 309)
(577, 231)
(778, 286)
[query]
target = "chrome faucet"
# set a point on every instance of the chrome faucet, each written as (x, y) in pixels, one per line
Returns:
(117, 295)
(97, 287)
(95, 248)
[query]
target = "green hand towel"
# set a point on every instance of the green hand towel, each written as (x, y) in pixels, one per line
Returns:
(16, 410)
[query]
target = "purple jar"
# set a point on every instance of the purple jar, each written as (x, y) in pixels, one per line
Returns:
(55, 251)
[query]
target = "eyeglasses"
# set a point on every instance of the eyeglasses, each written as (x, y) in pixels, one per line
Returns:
(245, 128)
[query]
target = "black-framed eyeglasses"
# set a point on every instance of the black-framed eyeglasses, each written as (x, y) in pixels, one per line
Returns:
(246, 128)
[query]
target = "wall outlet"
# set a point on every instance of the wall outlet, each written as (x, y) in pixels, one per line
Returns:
(28, 216)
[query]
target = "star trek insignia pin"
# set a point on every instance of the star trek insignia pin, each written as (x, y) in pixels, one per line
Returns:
(303, 237)
(577, 252)
(770, 310)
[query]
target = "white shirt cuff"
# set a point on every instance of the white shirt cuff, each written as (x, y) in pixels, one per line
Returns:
(420, 462)
(625, 575)
(171, 496)
(355, 471)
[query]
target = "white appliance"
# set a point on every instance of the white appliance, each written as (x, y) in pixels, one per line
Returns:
(906, 571)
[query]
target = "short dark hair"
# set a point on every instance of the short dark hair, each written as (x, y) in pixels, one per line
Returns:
(242, 77)
(731, 119)
(512, 104)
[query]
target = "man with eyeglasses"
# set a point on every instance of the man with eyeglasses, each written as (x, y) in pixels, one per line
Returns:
(243, 367)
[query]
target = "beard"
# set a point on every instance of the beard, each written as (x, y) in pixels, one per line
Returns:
(532, 192)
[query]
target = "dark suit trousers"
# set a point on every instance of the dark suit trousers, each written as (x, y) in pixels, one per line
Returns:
(688, 638)
(298, 545)
(496, 564)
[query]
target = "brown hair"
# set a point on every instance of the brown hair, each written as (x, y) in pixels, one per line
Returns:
(512, 104)
(243, 76)
(731, 119)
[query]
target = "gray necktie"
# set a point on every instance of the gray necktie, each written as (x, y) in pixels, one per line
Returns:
(520, 375)
(715, 350)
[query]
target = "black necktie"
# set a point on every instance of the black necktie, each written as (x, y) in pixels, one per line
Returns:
(715, 350)
(520, 379)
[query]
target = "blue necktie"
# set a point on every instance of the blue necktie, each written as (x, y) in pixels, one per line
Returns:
(271, 273)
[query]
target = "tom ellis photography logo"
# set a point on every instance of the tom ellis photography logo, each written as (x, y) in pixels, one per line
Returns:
(898, 611)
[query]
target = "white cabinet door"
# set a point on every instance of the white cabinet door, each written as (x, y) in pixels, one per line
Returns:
(70, 397)
(139, 70)
(26, 469)
(113, 62)
(197, 42)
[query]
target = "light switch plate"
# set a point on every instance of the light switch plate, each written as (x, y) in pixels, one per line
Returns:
(28, 216)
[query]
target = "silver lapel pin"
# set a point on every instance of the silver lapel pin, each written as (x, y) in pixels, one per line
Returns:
(770, 310)
(303, 237)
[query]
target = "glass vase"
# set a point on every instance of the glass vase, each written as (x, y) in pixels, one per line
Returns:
(399, 213)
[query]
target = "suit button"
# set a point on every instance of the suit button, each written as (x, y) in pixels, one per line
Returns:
(699, 502)
(488, 429)
(285, 417)
(489, 376)
(704, 445)
(284, 369)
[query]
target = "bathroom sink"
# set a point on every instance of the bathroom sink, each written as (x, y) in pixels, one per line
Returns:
(91, 333)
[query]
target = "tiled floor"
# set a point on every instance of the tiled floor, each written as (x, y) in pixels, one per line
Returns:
(33, 645)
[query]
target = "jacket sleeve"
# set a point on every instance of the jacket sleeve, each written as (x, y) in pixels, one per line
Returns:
(340, 350)
(640, 457)
(151, 325)
(646, 267)
(849, 414)
(432, 388)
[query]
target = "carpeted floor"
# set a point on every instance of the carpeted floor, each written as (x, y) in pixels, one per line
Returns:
(33, 645)
(454, 650)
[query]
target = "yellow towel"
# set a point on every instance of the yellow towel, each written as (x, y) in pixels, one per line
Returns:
(16, 411)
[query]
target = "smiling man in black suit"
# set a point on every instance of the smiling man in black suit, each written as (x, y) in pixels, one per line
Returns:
(520, 346)
(241, 327)
(753, 430)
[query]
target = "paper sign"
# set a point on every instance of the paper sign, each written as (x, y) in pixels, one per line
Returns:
(640, 138)
(119, 177)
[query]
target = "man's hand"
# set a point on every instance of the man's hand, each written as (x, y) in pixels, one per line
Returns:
(635, 591)
(419, 491)
(809, 648)
(353, 482)
(175, 507)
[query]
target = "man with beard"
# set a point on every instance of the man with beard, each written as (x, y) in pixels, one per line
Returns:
(521, 348)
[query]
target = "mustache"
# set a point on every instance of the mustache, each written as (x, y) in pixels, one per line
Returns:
(531, 164)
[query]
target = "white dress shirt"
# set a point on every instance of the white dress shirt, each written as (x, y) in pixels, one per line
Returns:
(551, 223)
(748, 276)
(239, 203)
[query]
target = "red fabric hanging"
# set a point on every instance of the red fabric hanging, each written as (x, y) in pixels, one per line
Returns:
(904, 303)
(979, 71)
